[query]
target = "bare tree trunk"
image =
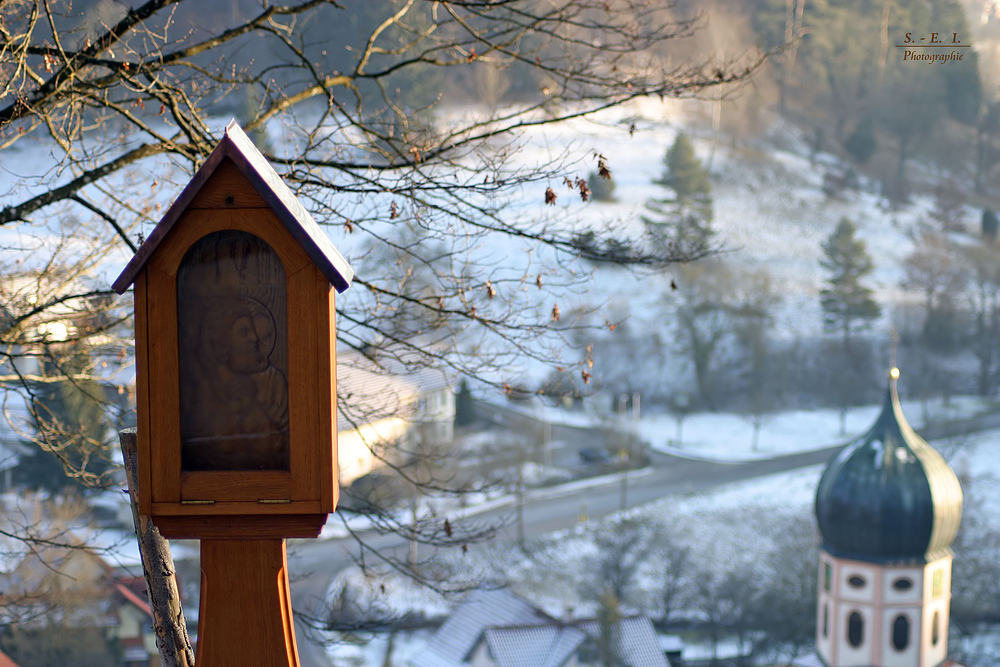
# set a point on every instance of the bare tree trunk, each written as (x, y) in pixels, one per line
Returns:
(883, 51)
(158, 568)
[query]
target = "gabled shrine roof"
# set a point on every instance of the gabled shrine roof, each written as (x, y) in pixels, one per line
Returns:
(236, 146)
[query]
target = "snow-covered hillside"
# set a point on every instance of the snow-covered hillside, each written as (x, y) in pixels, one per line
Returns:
(770, 208)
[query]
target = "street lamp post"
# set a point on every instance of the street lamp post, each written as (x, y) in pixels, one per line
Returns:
(623, 463)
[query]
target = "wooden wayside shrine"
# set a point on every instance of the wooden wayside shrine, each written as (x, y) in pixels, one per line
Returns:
(235, 347)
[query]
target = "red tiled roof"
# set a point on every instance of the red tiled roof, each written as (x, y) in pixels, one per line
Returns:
(131, 597)
(5, 661)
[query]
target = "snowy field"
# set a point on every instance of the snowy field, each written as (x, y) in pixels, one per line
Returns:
(770, 212)
(726, 436)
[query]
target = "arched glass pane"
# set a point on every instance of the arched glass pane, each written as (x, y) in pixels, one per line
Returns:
(233, 355)
(855, 629)
(900, 632)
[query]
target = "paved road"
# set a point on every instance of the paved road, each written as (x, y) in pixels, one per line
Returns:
(313, 564)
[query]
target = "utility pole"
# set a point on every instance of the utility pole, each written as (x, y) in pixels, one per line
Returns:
(520, 502)
(623, 462)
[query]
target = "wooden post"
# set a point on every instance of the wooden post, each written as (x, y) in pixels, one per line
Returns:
(158, 568)
(245, 618)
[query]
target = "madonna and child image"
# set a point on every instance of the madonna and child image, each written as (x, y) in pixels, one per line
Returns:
(233, 386)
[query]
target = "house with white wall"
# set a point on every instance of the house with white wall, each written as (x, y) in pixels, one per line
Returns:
(387, 407)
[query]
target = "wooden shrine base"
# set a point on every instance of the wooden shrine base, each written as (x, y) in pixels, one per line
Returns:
(245, 618)
(239, 526)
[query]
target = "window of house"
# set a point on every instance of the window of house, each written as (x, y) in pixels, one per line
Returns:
(826, 620)
(588, 651)
(855, 629)
(901, 632)
(827, 576)
(935, 628)
(857, 581)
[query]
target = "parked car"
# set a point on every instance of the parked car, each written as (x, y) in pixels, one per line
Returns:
(594, 455)
(372, 492)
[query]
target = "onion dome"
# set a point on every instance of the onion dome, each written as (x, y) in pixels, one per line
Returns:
(888, 496)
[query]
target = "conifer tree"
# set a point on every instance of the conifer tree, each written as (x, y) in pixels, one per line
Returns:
(990, 224)
(601, 189)
(862, 144)
(70, 446)
(847, 304)
(465, 408)
(685, 219)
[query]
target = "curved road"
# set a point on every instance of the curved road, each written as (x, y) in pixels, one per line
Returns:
(314, 563)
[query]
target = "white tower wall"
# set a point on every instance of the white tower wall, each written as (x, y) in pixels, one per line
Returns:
(898, 607)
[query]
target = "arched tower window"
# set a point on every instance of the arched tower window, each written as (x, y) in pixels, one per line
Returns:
(935, 629)
(855, 629)
(901, 632)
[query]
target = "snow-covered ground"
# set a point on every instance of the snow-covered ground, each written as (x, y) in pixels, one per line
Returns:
(735, 526)
(727, 436)
(770, 212)
(716, 436)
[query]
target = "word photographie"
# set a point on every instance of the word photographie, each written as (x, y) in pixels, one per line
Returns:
(931, 57)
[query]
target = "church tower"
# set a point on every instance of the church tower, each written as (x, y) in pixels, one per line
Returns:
(888, 508)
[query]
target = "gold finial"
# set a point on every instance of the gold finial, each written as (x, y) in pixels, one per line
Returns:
(894, 373)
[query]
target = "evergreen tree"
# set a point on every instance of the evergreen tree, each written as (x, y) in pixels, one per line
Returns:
(862, 144)
(963, 90)
(949, 207)
(847, 303)
(609, 621)
(685, 219)
(465, 408)
(71, 423)
(990, 224)
(601, 189)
